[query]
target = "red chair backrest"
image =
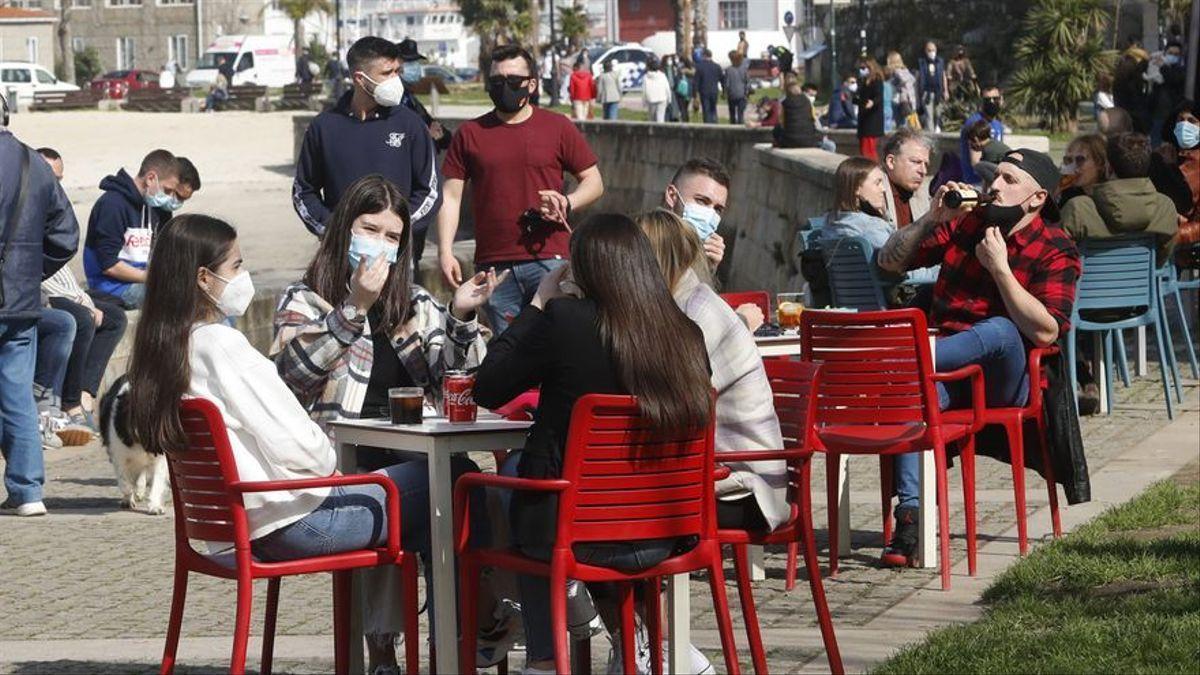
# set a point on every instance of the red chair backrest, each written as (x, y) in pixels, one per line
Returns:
(794, 389)
(875, 367)
(760, 298)
(205, 509)
(628, 484)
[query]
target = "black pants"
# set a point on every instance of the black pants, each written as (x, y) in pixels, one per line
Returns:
(741, 514)
(92, 348)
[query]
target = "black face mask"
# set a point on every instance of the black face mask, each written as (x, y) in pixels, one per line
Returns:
(1003, 217)
(991, 108)
(506, 99)
(868, 209)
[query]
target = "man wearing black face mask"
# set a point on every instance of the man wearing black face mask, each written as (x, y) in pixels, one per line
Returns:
(1007, 283)
(515, 157)
(992, 104)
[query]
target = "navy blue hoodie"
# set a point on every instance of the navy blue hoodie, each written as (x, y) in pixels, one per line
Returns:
(339, 148)
(117, 231)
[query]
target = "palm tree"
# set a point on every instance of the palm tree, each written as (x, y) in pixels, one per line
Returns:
(498, 22)
(1060, 52)
(297, 10)
(573, 25)
(683, 28)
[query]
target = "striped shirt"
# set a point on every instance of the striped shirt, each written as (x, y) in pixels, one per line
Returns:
(62, 284)
(325, 358)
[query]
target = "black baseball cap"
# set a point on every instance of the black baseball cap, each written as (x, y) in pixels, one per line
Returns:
(1044, 173)
(409, 52)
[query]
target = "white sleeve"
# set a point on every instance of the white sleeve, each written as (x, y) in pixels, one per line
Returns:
(261, 403)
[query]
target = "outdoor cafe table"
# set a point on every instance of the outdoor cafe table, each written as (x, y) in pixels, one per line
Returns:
(438, 439)
(787, 345)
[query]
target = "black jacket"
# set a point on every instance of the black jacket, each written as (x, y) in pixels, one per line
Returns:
(870, 121)
(46, 233)
(708, 78)
(414, 104)
(799, 125)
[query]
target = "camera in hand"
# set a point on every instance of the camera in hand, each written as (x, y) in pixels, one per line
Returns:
(967, 197)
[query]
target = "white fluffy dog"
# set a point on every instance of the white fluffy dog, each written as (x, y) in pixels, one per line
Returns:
(142, 476)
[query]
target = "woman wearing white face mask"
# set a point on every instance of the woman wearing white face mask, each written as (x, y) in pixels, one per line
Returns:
(356, 326)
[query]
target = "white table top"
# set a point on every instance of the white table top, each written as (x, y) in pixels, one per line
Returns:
(438, 426)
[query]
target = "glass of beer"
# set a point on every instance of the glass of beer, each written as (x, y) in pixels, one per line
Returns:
(406, 404)
(788, 307)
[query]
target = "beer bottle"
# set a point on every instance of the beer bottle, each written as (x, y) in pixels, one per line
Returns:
(968, 197)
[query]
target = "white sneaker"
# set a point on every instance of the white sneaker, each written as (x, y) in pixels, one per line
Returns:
(493, 646)
(699, 663)
(583, 621)
(48, 426)
(27, 509)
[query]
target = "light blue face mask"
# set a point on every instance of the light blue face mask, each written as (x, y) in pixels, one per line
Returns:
(369, 248)
(1187, 134)
(411, 72)
(1171, 59)
(158, 200)
(704, 219)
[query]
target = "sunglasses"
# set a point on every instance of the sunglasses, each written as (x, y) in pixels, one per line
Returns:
(1077, 159)
(513, 81)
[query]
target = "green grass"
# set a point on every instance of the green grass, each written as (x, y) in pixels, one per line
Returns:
(1120, 595)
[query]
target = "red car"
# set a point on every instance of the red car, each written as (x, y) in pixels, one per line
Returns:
(117, 82)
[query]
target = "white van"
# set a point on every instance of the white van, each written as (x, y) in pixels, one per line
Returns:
(256, 59)
(29, 79)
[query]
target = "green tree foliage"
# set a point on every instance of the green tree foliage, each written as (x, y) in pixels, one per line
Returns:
(573, 25)
(296, 10)
(87, 65)
(1060, 53)
(498, 22)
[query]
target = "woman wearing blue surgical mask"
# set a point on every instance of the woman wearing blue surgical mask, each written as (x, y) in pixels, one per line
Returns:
(356, 326)
(1175, 165)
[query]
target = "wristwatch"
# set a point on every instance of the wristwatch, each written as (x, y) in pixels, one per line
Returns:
(352, 313)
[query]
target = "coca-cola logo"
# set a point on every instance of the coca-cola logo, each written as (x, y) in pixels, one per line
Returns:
(463, 397)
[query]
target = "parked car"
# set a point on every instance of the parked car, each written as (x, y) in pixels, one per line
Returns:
(256, 59)
(629, 62)
(28, 79)
(763, 73)
(467, 74)
(117, 83)
(448, 74)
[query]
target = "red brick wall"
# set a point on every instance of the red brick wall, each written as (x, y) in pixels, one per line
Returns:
(642, 18)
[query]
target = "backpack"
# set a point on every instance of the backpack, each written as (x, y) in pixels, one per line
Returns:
(683, 87)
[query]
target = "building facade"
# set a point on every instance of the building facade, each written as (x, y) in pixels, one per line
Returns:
(27, 35)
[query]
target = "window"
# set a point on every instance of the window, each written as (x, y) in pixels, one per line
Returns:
(125, 53)
(31, 49)
(731, 14)
(78, 45)
(18, 75)
(177, 50)
(410, 20)
(81, 4)
(44, 77)
(176, 2)
(246, 63)
(124, 3)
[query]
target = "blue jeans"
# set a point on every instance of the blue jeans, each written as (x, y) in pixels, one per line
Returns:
(737, 110)
(996, 345)
(56, 333)
(612, 110)
(134, 295)
(708, 107)
(354, 517)
(517, 291)
(24, 472)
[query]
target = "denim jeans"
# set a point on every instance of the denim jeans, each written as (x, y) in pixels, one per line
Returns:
(708, 108)
(612, 110)
(92, 349)
(56, 332)
(24, 472)
(737, 110)
(996, 345)
(354, 517)
(134, 295)
(517, 291)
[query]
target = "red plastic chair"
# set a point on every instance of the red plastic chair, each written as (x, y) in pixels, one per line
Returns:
(878, 397)
(794, 385)
(619, 483)
(208, 507)
(1013, 420)
(760, 298)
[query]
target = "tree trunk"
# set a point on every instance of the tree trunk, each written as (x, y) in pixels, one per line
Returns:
(65, 55)
(701, 11)
(683, 29)
(535, 31)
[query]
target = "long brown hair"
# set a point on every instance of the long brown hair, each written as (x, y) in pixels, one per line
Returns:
(329, 272)
(659, 352)
(850, 175)
(676, 245)
(159, 372)
(874, 72)
(1095, 146)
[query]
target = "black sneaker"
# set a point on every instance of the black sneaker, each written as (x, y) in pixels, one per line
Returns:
(900, 552)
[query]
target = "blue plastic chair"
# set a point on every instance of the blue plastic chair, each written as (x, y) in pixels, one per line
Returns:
(1169, 285)
(1118, 274)
(852, 278)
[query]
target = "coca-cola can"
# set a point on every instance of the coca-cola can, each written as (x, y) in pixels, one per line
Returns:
(458, 396)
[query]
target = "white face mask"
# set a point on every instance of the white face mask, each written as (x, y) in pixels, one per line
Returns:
(236, 297)
(387, 93)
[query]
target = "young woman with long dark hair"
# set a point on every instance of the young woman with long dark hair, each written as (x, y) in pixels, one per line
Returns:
(356, 326)
(869, 100)
(625, 335)
(184, 348)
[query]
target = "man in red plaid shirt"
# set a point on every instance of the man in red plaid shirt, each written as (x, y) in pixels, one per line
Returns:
(1007, 283)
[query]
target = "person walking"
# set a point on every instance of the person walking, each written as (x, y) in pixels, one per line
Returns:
(708, 86)
(682, 87)
(514, 157)
(656, 91)
(870, 107)
(743, 46)
(582, 91)
(905, 86)
(608, 92)
(932, 87)
(38, 235)
(737, 87)
(960, 76)
(369, 130)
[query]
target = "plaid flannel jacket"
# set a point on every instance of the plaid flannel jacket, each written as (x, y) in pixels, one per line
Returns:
(325, 358)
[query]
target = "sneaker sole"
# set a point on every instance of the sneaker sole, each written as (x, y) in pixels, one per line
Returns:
(896, 560)
(75, 437)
